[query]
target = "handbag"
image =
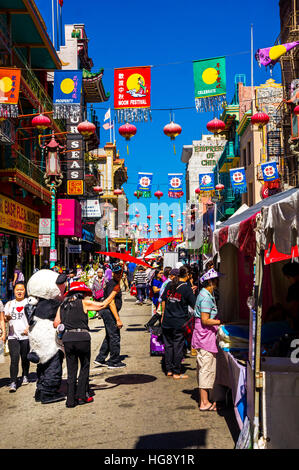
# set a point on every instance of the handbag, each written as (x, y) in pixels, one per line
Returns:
(99, 294)
(133, 290)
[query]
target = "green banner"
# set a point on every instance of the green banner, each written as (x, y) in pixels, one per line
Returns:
(209, 83)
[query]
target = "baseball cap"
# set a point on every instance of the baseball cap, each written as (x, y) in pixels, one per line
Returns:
(211, 274)
(116, 269)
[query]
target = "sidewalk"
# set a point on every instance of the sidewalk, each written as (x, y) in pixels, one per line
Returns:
(134, 408)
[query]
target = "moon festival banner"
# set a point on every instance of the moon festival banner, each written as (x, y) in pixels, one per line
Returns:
(9, 92)
(132, 93)
(209, 83)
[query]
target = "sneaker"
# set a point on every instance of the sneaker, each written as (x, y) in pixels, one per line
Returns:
(83, 401)
(25, 380)
(119, 365)
(99, 363)
(13, 387)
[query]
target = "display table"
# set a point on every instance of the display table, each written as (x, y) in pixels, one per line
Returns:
(230, 373)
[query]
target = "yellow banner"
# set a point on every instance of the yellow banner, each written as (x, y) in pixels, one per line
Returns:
(18, 218)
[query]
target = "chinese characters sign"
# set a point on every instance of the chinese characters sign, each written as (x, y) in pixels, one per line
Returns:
(145, 184)
(132, 93)
(209, 83)
(9, 92)
(67, 93)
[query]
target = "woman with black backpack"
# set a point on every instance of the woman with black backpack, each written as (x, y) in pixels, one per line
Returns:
(176, 298)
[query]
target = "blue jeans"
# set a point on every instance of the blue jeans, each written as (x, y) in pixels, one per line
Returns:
(141, 292)
(111, 343)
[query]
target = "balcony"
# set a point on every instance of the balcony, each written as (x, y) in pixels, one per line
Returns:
(7, 132)
(22, 171)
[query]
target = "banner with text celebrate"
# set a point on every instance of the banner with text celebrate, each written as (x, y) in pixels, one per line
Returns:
(209, 83)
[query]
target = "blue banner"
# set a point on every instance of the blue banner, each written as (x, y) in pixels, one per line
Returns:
(175, 185)
(206, 182)
(270, 172)
(238, 180)
(67, 87)
(145, 183)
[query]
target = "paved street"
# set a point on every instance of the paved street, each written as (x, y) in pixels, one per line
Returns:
(134, 408)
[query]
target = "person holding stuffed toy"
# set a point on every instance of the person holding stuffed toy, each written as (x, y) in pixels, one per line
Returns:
(45, 289)
(73, 315)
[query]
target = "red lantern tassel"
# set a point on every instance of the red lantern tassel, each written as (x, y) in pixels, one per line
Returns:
(174, 149)
(128, 149)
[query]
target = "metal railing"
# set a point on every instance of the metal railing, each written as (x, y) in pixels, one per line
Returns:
(22, 163)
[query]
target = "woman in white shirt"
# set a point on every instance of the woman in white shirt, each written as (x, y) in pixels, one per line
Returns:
(18, 342)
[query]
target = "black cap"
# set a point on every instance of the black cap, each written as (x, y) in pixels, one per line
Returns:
(62, 278)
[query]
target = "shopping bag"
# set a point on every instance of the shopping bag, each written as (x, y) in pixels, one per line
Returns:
(133, 290)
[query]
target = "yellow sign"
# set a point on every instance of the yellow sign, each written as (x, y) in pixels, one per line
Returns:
(18, 218)
(75, 187)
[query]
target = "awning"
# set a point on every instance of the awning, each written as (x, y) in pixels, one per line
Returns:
(239, 230)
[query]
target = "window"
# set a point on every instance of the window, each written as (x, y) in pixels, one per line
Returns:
(249, 153)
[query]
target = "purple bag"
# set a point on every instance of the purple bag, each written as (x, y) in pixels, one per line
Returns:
(156, 346)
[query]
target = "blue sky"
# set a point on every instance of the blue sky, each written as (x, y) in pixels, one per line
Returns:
(169, 35)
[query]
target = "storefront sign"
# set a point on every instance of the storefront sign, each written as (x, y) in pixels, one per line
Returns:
(75, 158)
(53, 255)
(91, 208)
(207, 153)
(69, 218)
(44, 240)
(18, 218)
(44, 226)
(75, 248)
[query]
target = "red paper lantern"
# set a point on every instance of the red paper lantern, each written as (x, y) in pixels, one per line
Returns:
(260, 119)
(296, 110)
(117, 192)
(149, 217)
(172, 215)
(219, 187)
(197, 190)
(97, 189)
(216, 126)
(172, 130)
(127, 131)
(86, 128)
(41, 122)
(161, 217)
(158, 194)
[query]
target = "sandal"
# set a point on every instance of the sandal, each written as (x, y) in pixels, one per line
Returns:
(182, 376)
(208, 409)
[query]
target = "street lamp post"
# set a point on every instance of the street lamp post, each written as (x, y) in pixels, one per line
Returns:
(53, 179)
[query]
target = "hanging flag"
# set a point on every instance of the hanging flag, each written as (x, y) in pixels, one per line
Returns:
(108, 126)
(107, 115)
(67, 93)
(207, 182)
(238, 180)
(9, 92)
(269, 170)
(271, 55)
(145, 184)
(175, 186)
(209, 83)
(132, 93)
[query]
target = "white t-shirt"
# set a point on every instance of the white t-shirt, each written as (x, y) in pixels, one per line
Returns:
(19, 322)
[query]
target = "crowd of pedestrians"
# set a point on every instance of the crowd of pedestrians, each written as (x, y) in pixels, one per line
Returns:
(176, 294)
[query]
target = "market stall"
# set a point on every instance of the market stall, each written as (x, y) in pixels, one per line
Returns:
(252, 248)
